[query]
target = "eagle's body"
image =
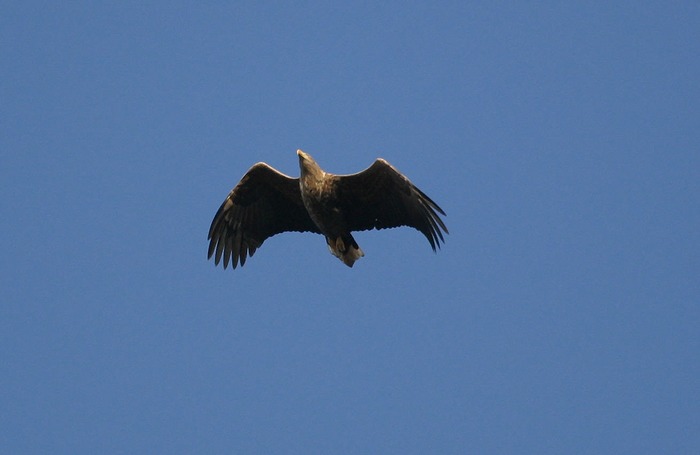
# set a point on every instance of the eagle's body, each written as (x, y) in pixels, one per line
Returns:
(323, 200)
(267, 202)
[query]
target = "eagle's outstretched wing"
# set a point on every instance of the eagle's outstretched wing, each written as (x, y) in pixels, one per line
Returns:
(264, 203)
(381, 197)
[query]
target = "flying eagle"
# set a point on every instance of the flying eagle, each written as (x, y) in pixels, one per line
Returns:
(266, 202)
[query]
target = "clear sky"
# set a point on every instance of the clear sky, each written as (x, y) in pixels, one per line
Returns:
(561, 316)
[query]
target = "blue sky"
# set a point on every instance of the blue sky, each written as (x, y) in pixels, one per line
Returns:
(561, 315)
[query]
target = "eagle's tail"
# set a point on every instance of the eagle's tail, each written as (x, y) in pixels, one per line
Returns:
(345, 248)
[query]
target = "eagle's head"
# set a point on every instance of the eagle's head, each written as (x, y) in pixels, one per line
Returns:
(308, 166)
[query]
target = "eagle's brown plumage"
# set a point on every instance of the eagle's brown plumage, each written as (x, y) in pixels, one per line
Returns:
(266, 202)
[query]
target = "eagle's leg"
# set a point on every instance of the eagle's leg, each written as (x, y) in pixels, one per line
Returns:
(345, 248)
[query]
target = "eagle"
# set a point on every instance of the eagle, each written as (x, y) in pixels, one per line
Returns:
(267, 202)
